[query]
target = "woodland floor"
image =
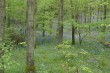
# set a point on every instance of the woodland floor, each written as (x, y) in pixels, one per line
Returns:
(90, 57)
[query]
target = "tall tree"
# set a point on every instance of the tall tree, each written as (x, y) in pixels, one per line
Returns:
(43, 30)
(105, 14)
(30, 67)
(73, 27)
(60, 25)
(2, 16)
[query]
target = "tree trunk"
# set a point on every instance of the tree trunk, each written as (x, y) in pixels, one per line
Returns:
(73, 35)
(43, 30)
(8, 17)
(30, 67)
(8, 20)
(73, 28)
(60, 26)
(90, 20)
(85, 19)
(2, 17)
(105, 13)
(98, 13)
(79, 32)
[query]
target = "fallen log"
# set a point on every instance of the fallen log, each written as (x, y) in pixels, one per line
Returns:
(103, 42)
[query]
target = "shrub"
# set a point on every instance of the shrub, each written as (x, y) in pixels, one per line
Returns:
(6, 56)
(75, 59)
(15, 35)
(65, 45)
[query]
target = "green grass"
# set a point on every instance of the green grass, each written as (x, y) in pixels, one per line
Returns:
(90, 57)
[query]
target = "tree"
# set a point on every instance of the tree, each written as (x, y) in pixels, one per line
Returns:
(2, 16)
(60, 26)
(105, 13)
(30, 67)
(73, 27)
(45, 15)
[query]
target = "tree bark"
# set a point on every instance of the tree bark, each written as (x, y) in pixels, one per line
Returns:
(105, 13)
(8, 17)
(98, 13)
(8, 20)
(60, 26)
(30, 67)
(2, 17)
(73, 28)
(73, 35)
(43, 30)
(85, 19)
(90, 19)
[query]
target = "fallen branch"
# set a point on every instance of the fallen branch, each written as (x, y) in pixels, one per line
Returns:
(103, 42)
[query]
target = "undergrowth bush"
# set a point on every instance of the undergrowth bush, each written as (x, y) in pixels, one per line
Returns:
(15, 35)
(75, 60)
(64, 45)
(6, 60)
(80, 60)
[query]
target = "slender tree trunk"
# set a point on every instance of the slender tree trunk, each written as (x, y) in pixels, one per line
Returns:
(60, 26)
(8, 17)
(79, 33)
(85, 19)
(73, 27)
(73, 35)
(2, 17)
(98, 13)
(8, 20)
(51, 26)
(101, 12)
(30, 67)
(101, 18)
(50, 21)
(43, 30)
(81, 17)
(105, 13)
(90, 19)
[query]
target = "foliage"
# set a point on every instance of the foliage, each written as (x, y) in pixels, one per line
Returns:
(65, 45)
(48, 59)
(73, 59)
(15, 9)
(88, 18)
(15, 35)
(6, 58)
(81, 60)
